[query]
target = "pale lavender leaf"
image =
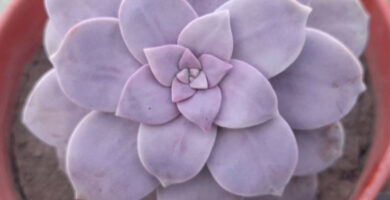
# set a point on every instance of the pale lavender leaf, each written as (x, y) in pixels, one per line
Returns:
(205, 6)
(321, 86)
(247, 98)
(151, 23)
(200, 82)
(175, 152)
(344, 19)
(93, 64)
(189, 60)
(269, 35)
(202, 187)
(319, 148)
(52, 38)
(163, 62)
(305, 2)
(181, 91)
(255, 161)
(103, 162)
(145, 100)
(299, 188)
(65, 14)
(183, 76)
(49, 114)
(202, 108)
(214, 68)
(209, 34)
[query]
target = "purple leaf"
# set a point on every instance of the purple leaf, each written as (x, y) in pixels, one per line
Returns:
(205, 6)
(346, 20)
(255, 161)
(202, 108)
(93, 64)
(181, 91)
(209, 34)
(151, 23)
(175, 152)
(247, 98)
(200, 82)
(189, 60)
(145, 100)
(321, 86)
(269, 35)
(214, 68)
(319, 148)
(52, 38)
(103, 162)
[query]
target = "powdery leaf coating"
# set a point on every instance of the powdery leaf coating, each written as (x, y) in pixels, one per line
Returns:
(209, 34)
(202, 187)
(103, 162)
(205, 6)
(202, 108)
(52, 38)
(51, 121)
(145, 100)
(313, 93)
(245, 162)
(299, 188)
(214, 68)
(189, 60)
(65, 14)
(180, 150)
(181, 91)
(269, 35)
(163, 62)
(151, 23)
(319, 148)
(93, 68)
(247, 98)
(346, 20)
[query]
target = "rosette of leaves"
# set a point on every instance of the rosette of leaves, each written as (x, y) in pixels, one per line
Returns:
(198, 99)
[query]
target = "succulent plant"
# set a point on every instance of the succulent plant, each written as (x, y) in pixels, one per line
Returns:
(198, 99)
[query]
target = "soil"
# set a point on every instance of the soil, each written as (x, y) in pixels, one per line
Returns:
(38, 177)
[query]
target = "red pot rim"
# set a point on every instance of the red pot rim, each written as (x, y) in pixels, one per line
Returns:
(21, 27)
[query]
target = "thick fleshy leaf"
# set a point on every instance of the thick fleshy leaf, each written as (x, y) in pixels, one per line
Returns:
(200, 82)
(202, 187)
(93, 64)
(202, 108)
(181, 91)
(319, 148)
(269, 35)
(66, 14)
(255, 161)
(306, 2)
(49, 114)
(151, 23)
(103, 162)
(299, 188)
(145, 100)
(321, 86)
(205, 6)
(163, 62)
(183, 76)
(346, 20)
(209, 34)
(52, 38)
(180, 150)
(214, 68)
(247, 98)
(189, 60)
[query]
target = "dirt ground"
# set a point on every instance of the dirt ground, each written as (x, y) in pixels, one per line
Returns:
(38, 178)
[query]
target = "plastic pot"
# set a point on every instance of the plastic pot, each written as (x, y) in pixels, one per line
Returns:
(21, 27)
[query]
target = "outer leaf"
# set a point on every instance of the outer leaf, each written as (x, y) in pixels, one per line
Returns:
(176, 151)
(246, 162)
(151, 23)
(103, 162)
(49, 114)
(52, 38)
(93, 64)
(144, 100)
(202, 187)
(321, 86)
(205, 6)
(269, 35)
(209, 34)
(247, 98)
(346, 20)
(319, 149)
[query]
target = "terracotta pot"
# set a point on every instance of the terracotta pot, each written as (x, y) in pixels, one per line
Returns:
(21, 27)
